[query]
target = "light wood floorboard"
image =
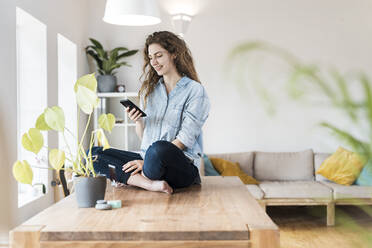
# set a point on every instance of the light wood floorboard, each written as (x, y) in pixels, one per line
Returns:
(305, 227)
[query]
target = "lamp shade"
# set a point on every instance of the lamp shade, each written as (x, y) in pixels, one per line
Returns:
(132, 12)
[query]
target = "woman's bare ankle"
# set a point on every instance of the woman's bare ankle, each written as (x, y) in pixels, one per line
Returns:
(161, 186)
(141, 181)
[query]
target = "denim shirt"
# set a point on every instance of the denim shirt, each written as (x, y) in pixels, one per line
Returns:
(179, 115)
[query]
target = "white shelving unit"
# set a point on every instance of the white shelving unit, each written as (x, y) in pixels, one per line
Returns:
(123, 135)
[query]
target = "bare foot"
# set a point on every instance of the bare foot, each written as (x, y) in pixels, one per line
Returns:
(161, 186)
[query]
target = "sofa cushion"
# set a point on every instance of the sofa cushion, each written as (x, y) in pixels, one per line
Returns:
(342, 167)
(295, 189)
(365, 177)
(245, 160)
(255, 191)
(284, 166)
(209, 170)
(348, 192)
(318, 160)
(228, 168)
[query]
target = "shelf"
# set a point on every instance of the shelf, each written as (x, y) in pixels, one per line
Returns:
(123, 135)
(117, 94)
(125, 124)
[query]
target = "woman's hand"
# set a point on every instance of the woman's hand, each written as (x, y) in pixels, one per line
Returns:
(133, 114)
(135, 165)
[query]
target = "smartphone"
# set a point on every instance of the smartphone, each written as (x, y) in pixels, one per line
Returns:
(131, 105)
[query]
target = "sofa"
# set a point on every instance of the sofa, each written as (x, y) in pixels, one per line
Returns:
(289, 179)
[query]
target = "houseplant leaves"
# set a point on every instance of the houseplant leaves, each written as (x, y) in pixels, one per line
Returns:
(41, 124)
(33, 141)
(55, 118)
(57, 158)
(106, 121)
(89, 81)
(86, 99)
(22, 172)
(85, 89)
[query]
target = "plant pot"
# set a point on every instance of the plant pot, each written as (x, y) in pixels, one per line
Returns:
(106, 83)
(89, 190)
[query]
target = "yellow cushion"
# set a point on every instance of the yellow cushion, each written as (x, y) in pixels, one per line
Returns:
(342, 167)
(227, 168)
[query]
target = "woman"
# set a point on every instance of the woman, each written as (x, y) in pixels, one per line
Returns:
(177, 106)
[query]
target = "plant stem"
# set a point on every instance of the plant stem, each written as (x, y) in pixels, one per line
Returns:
(73, 135)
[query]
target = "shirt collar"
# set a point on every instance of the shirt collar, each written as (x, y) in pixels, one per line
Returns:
(183, 81)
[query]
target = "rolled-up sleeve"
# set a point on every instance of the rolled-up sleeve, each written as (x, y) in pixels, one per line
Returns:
(194, 115)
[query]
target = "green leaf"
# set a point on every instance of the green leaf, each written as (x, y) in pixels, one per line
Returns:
(127, 54)
(95, 57)
(55, 118)
(22, 172)
(96, 43)
(106, 121)
(118, 49)
(346, 102)
(57, 158)
(41, 124)
(368, 97)
(89, 81)
(115, 66)
(86, 99)
(356, 144)
(33, 141)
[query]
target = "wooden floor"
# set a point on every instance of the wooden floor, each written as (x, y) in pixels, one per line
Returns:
(305, 227)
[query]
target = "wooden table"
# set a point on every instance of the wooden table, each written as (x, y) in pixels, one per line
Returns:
(219, 213)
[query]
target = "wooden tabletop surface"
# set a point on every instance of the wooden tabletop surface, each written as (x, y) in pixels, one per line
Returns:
(219, 209)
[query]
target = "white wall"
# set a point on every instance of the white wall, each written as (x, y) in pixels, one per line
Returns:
(330, 33)
(67, 17)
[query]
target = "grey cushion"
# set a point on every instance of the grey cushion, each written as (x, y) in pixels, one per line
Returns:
(348, 192)
(245, 160)
(255, 191)
(295, 189)
(284, 166)
(318, 160)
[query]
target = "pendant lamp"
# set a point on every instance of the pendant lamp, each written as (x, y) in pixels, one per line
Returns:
(132, 12)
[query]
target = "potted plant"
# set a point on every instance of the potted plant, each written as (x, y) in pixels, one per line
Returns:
(107, 63)
(89, 186)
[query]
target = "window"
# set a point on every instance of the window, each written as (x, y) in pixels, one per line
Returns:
(67, 75)
(31, 38)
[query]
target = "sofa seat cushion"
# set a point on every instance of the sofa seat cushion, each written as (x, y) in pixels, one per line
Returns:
(349, 192)
(295, 189)
(284, 166)
(255, 191)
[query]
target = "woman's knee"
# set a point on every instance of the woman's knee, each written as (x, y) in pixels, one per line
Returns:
(155, 157)
(160, 149)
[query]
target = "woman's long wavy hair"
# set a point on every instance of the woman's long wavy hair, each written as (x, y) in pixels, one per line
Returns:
(175, 46)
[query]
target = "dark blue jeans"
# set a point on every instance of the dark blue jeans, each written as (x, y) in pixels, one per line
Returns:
(163, 161)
